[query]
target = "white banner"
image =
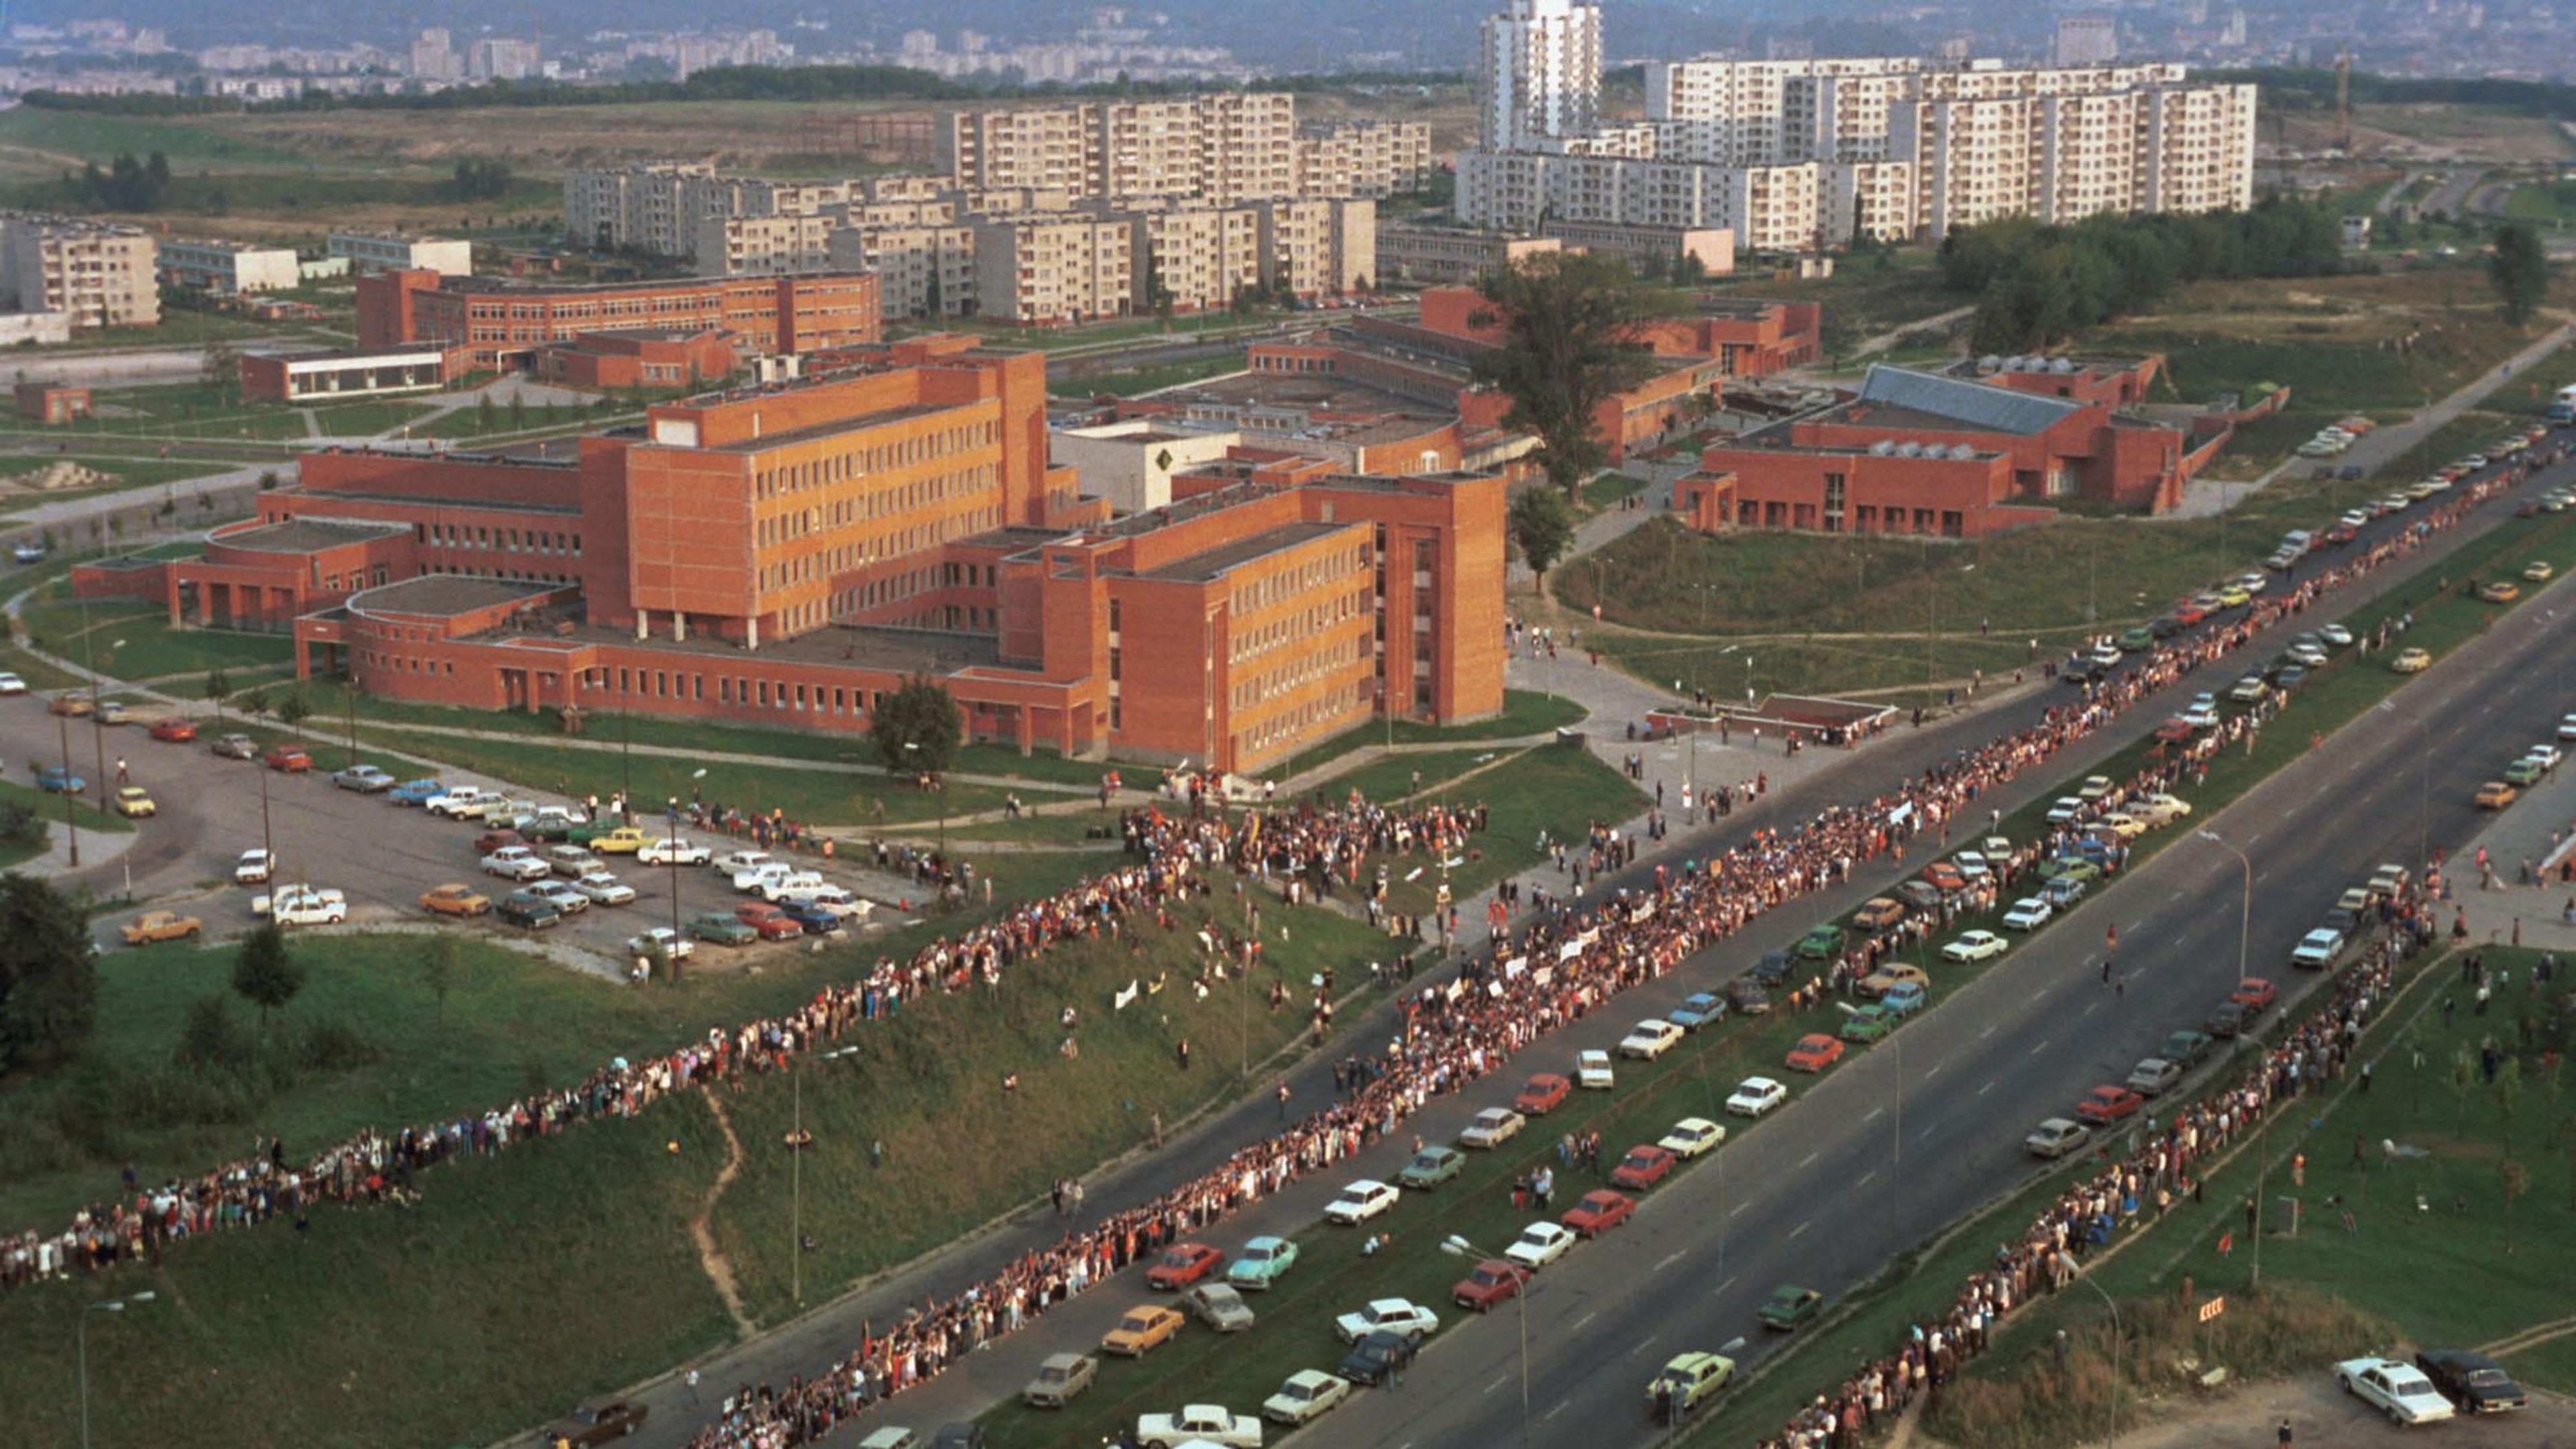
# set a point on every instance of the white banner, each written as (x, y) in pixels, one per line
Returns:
(1514, 967)
(1125, 998)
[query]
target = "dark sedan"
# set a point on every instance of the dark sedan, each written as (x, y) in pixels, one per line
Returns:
(1376, 1358)
(2475, 1382)
(597, 1423)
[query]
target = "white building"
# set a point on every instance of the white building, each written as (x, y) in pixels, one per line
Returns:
(226, 267)
(394, 252)
(1131, 463)
(1539, 75)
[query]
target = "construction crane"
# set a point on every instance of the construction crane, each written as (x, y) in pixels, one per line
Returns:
(2343, 100)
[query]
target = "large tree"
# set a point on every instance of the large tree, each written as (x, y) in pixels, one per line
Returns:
(917, 728)
(1543, 526)
(2519, 271)
(264, 974)
(48, 986)
(1569, 322)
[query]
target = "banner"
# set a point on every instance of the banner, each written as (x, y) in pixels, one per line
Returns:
(1514, 967)
(1125, 998)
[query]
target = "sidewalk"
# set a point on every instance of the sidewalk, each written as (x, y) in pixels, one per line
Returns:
(2539, 828)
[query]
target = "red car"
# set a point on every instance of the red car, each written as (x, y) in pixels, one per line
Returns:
(1815, 1052)
(2254, 994)
(1599, 1212)
(771, 923)
(1183, 1265)
(2174, 731)
(175, 731)
(1642, 1168)
(492, 840)
(1488, 1284)
(2106, 1105)
(2189, 614)
(1544, 1094)
(2342, 533)
(289, 759)
(1944, 877)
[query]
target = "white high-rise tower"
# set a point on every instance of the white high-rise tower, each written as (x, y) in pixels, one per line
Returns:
(1541, 74)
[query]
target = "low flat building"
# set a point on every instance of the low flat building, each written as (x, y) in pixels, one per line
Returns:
(369, 252)
(34, 329)
(504, 323)
(1131, 463)
(348, 372)
(1417, 255)
(227, 268)
(656, 360)
(50, 403)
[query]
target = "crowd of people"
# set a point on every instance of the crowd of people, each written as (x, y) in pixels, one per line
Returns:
(2162, 1169)
(1571, 953)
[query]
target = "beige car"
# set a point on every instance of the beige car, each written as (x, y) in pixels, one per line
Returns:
(1061, 1379)
(1884, 980)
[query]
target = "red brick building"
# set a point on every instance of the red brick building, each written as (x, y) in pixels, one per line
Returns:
(504, 323)
(787, 555)
(50, 403)
(659, 360)
(1954, 454)
(352, 372)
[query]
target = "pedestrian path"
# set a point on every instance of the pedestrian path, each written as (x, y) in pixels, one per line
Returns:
(2529, 847)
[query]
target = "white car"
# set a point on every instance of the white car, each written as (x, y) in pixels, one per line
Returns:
(1388, 1315)
(1756, 1096)
(2056, 1137)
(667, 850)
(1972, 865)
(1539, 1245)
(2318, 948)
(760, 877)
(2547, 755)
(2395, 1389)
(2314, 656)
(735, 862)
(1360, 1202)
(2028, 914)
(1975, 946)
(254, 868)
(1648, 1040)
(1199, 1424)
(813, 890)
(1308, 1394)
(464, 802)
(572, 862)
(307, 907)
(12, 684)
(789, 885)
(1693, 1137)
(2066, 809)
(560, 895)
(2337, 635)
(2202, 715)
(516, 862)
(2567, 727)
(661, 941)
(604, 888)
(2160, 808)
(1592, 1069)
(1492, 1128)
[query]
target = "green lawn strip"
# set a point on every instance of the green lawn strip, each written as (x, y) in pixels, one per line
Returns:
(1131, 382)
(48, 806)
(1605, 490)
(279, 1327)
(470, 423)
(40, 674)
(1886, 669)
(2550, 1365)
(1525, 712)
(2446, 1277)
(366, 419)
(2468, 433)
(151, 646)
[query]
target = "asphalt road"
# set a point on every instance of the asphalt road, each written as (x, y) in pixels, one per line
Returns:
(383, 856)
(1830, 1218)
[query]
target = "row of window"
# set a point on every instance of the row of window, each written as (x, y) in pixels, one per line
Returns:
(859, 462)
(501, 540)
(1271, 634)
(880, 502)
(901, 543)
(1273, 588)
(1296, 723)
(1306, 668)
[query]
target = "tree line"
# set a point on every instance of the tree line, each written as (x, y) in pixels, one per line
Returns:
(124, 184)
(2313, 88)
(2037, 284)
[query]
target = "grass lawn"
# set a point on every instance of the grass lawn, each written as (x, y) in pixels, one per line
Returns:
(464, 423)
(1525, 712)
(569, 1269)
(1067, 382)
(365, 419)
(48, 806)
(1605, 491)
(127, 472)
(152, 648)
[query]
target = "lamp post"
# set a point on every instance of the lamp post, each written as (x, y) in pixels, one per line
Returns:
(2423, 781)
(71, 823)
(2111, 1429)
(2263, 1143)
(1457, 1246)
(267, 846)
(671, 814)
(107, 1305)
(98, 731)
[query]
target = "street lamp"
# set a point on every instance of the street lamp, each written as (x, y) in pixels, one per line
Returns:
(2245, 908)
(108, 1305)
(2423, 782)
(671, 814)
(98, 731)
(1457, 1246)
(2263, 1143)
(2111, 1430)
(71, 823)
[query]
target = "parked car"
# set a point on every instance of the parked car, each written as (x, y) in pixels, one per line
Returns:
(2317, 949)
(1648, 1040)
(1543, 1093)
(2185, 1049)
(1387, 1315)
(768, 921)
(591, 1424)
(1747, 998)
(603, 888)
(529, 912)
(1692, 1137)
(1198, 1424)
(561, 896)
(1488, 1284)
(515, 862)
(153, 927)
(2028, 914)
(415, 792)
(1975, 946)
(2395, 1389)
(1307, 1395)
(1689, 1380)
(1815, 1052)
(660, 942)
(1592, 1070)
(1790, 1306)
(2107, 1104)
(171, 731)
(1642, 1168)
(254, 867)
(1376, 1358)
(1181, 1265)
(2056, 1137)
(288, 760)
(1492, 1127)
(1141, 1330)
(136, 803)
(55, 780)
(1061, 1378)
(1261, 1263)
(1598, 1211)
(1539, 1244)
(1219, 1307)
(455, 900)
(1431, 1167)
(1755, 1096)
(721, 929)
(671, 850)
(1359, 1202)
(1699, 1009)
(2154, 1076)
(365, 779)
(2473, 1382)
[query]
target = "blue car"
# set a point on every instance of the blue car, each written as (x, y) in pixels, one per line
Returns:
(1704, 1008)
(1904, 998)
(55, 780)
(1261, 1262)
(815, 919)
(415, 792)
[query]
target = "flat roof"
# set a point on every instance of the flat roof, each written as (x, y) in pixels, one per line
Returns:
(878, 417)
(446, 595)
(422, 500)
(1215, 563)
(362, 354)
(306, 535)
(860, 646)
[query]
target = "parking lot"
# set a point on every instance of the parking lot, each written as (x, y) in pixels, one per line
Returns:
(380, 855)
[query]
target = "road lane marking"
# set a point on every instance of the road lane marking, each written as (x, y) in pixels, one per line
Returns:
(1643, 1344)
(2177, 895)
(1498, 1383)
(1587, 1318)
(1989, 1031)
(1722, 1287)
(2039, 1046)
(1551, 1414)
(2096, 1006)
(1931, 1071)
(1793, 1233)
(1737, 1211)
(1670, 1259)
(1874, 1114)
(1810, 1159)
(1863, 1179)
(1988, 1087)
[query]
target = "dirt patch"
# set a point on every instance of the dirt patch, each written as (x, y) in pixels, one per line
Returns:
(718, 1267)
(2319, 1412)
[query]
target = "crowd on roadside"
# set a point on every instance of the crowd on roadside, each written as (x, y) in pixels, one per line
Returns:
(2161, 1168)
(1572, 954)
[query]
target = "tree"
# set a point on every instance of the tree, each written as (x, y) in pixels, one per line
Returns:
(917, 729)
(48, 984)
(254, 702)
(220, 371)
(1543, 526)
(293, 709)
(438, 968)
(2519, 272)
(933, 302)
(264, 974)
(1568, 321)
(219, 687)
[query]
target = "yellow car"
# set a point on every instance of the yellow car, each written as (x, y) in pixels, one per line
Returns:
(2499, 593)
(455, 900)
(1140, 1330)
(2539, 572)
(1689, 1380)
(153, 926)
(2234, 597)
(134, 802)
(2495, 795)
(2123, 824)
(2411, 661)
(624, 840)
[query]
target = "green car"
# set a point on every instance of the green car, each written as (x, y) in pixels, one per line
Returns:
(2069, 867)
(1821, 943)
(721, 929)
(1690, 1379)
(1789, 1306)
(2136, 640)
(1868, 1024)
(2522, 772)
(1431, 1167)
(1261, 1262)
(2185, 1048)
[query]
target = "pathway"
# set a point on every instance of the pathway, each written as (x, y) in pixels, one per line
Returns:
(1886, 341)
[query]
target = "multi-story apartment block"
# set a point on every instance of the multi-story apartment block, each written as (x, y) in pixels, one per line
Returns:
(1795, 153)
(921, 270)
(1374, 159)
(1194, 258)
(503, 58)
(504, 324)
(226, 267)
(1540, 76)
(1033, 146)
(1318, 246)
(1065, 267)
(394, 252)
(740, 246)
(99, 274)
